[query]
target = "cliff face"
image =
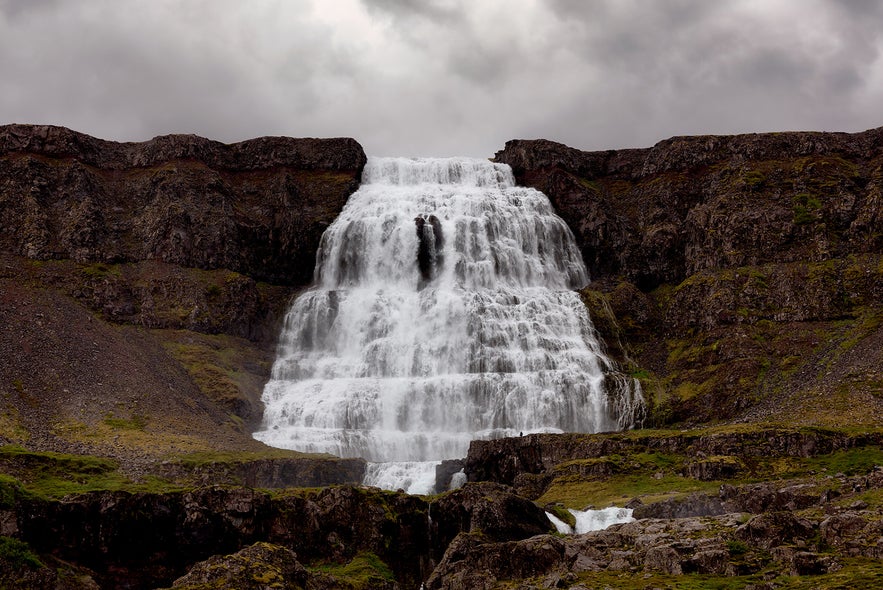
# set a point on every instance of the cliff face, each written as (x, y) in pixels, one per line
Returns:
(143, 284)
(257, 207)
(738, 276)
(688, 204)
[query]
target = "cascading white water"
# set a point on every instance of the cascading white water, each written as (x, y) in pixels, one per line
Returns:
(442, 312)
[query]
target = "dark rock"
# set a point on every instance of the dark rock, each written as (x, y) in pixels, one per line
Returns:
(660, 214)
(772, 529)
(148, 540)
(836, 529)
(714, 562)
(445, 471)
(269, 473)
(714, 468)
(256, 567)
(472, 561)
(689, 506)
(257, 207)
(664, 559)
(490, 508)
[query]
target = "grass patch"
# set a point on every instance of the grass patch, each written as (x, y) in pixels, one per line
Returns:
(575, 492)
(849, 461)
(805, 206)
(363, 571)
(17, 554)
(55, 475)
(136, 422)
(99, 270)
(754, 178)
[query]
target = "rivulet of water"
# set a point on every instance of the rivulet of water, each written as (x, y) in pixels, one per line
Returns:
(443, 310)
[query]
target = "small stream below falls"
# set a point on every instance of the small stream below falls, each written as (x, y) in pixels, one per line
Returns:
(443, 310)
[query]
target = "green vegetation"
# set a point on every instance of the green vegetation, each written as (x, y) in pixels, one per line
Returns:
(55, 475)
(100, 270)
(640, 472)
(736, 547)
(562, 513)
(136, 422)
(754, 178)
(364, 571)
(17, 554)
(805, 207)
(578, 493)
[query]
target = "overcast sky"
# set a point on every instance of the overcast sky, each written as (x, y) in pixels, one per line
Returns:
(442, 77)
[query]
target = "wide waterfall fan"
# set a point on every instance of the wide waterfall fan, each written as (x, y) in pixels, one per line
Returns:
(443, 311)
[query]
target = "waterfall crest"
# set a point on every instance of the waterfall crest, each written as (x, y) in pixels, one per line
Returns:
(443, 310)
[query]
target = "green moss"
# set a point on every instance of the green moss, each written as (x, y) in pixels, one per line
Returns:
(805, 207)
(135, 422)
(576, 492)
(562, 513)
(55, 475)
(17, 554)
(100, 270)
(10, 490)
(754, 179)
(364, 571)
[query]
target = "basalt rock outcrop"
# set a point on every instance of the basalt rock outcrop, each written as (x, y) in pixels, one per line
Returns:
(257, 207)
(214, 534)
(661, 214)
(727, 270)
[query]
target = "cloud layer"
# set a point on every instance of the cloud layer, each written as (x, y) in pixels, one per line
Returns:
(442, 77)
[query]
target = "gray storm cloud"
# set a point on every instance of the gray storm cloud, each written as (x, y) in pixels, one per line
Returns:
(442, 77)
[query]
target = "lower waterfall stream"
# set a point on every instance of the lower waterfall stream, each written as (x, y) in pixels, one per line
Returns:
(443, 310)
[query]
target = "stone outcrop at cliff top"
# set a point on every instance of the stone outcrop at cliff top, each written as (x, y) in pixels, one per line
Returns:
(257, 207)
(660, 214)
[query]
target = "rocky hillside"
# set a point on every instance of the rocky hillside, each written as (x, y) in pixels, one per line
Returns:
(142, 285)
(740, 276)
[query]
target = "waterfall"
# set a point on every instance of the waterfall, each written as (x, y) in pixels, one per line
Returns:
(442, 311)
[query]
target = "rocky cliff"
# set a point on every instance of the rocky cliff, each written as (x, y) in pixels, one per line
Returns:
(257, 207)
(739, 276)
(142, 286)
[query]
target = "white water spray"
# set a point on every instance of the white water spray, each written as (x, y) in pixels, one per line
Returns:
(592, 520)
(443, 311)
